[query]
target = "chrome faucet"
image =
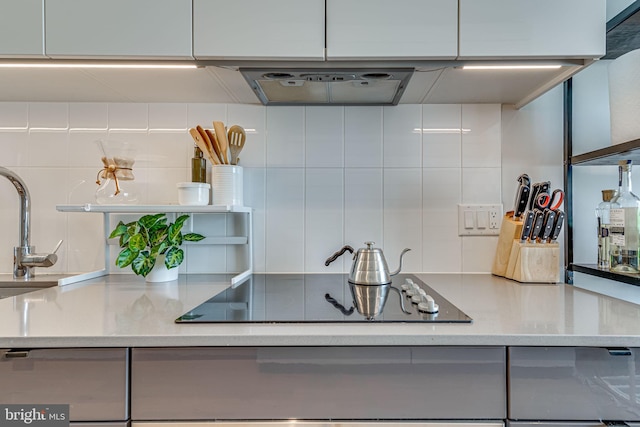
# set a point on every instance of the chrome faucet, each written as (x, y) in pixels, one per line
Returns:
(24, 258)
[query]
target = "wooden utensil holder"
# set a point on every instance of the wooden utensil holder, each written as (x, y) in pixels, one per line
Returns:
(534, 262)
(510, 230)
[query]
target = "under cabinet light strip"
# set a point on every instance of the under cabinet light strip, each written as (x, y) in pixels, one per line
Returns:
(96, 65)
(510, 67)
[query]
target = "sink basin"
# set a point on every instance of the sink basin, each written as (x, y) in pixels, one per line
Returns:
(10, 287)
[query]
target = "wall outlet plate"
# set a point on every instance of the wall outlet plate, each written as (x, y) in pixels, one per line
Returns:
(479, 219)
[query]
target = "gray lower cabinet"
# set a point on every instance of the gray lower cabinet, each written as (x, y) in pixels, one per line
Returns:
(94, 382)
(354, 383)
(574, 384)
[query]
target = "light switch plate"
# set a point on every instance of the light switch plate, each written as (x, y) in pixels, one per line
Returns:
(479, 220)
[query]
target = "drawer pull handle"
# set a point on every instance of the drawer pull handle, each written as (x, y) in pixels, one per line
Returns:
(619, 351)
(16, 354)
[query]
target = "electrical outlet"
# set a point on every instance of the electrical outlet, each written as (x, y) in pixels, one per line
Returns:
(479, 220)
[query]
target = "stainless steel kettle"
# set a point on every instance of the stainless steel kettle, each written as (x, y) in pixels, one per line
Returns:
(369, 265)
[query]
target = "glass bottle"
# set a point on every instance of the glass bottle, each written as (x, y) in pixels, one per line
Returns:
(603, 215)
(198, 166)
(623, 229)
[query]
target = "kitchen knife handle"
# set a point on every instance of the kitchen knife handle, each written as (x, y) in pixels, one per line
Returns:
(557, 226)
(537, 225)
(522, 198)
(547, 225)
(527, 222)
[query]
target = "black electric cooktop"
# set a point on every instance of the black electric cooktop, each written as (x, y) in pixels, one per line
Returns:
(311, 298)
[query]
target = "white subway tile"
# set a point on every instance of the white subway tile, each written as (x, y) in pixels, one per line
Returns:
(167, 116)
(324, 133)
(128, 116)
(14, 147)
(50, 115)
(402, 144)
(441, 135)
(285, 220)
(84, 150)
(363, 136)
(167, 149)
(14, 115)
(402, 216)
(255, 197)
(88, 115)
(441, 193)
(161, 184)
(205, 114)
(481, 185)
(285, 137)
(253, 119)
(48, 148)
(363, 217)
(324, 218)
(478, 253)
(481, 146)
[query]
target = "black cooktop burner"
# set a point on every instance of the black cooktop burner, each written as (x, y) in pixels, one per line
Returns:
(311, 298)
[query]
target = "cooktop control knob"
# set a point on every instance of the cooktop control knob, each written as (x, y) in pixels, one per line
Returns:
(428, 305)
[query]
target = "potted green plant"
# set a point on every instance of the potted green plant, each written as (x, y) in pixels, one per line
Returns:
(151, 239)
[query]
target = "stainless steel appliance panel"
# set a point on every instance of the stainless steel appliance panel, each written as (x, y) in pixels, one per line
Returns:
(92, 381)
(354, 383)
(574, 383)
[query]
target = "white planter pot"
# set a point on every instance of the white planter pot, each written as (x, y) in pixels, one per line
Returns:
(160, 272)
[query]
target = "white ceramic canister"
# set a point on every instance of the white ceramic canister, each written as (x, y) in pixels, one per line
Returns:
(227, 185)
(193, 193)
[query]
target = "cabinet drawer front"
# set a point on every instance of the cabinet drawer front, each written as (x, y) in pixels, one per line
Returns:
(318, 383)
(573, 383)
(92, 381)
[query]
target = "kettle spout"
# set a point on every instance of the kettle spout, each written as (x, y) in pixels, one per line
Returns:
(404, 251)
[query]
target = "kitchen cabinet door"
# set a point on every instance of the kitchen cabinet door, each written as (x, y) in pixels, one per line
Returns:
(573, 383)
(258, 29)
(400, 29)
(120, 29)
(21, 29)
(93, 382)
(541, 29)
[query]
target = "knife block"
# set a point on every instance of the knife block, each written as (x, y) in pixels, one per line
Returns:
(510, 230)
(534, 262)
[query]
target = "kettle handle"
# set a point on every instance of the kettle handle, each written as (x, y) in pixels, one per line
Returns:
(337, 254)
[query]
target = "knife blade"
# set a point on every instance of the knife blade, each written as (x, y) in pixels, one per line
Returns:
(537, 225)
(522, 197)
(547, 225)
(557, 226)
(527, 223)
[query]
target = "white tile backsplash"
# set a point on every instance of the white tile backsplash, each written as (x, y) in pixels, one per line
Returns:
(316, 177)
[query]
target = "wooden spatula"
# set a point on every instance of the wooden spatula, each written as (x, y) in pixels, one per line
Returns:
(221, 136)
(214, 158)
(214, 145)
(237, 137)
(201, 144)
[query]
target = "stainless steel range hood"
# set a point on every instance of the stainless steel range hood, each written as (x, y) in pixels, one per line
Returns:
(318, 86)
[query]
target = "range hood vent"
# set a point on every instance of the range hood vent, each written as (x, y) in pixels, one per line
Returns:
(316, 86)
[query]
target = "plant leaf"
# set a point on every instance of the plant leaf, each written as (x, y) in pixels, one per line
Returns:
(124, 240)
(193, 237)
(173, 257)
(125, 257)
(143, 263)
(137, 242)
(149, 221)
(157, 235)
(180, 220)
(119, 230)
(174, 235)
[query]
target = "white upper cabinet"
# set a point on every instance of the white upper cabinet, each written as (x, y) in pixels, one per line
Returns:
(398, 29)
(258, 29)
(149, 29)
(21, 29)
(540, 29)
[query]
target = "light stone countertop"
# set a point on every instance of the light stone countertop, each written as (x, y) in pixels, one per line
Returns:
(123, 311)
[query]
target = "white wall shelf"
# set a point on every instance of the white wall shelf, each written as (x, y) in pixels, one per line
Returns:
(107, 210)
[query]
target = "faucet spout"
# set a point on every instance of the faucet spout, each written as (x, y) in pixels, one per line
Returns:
(25, 205)
(24, 258)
